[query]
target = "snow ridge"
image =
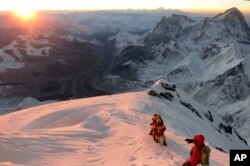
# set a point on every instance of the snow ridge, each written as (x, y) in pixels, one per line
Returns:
(113, 130)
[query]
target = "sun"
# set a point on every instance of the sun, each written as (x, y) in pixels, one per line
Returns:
(25, 13)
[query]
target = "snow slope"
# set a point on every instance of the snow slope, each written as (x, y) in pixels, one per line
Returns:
(109, 130)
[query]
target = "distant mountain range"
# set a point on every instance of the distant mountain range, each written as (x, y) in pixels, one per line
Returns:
(209, 59)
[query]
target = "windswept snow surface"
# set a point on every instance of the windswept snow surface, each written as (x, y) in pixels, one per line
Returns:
(109, 130)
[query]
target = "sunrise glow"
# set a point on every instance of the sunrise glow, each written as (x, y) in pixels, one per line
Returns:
(186, 5)
(25, 14)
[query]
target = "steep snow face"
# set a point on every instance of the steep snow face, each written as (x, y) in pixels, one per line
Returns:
(113, 130)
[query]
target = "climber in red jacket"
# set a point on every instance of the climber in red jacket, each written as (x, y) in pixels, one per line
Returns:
(195, 153)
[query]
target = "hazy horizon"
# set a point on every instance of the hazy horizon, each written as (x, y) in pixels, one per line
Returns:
(195, 6)
(137, 10)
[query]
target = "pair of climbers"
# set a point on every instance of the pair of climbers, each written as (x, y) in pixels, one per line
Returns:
(199, 153)
(157, 129)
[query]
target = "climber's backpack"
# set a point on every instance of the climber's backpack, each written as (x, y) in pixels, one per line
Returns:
(205, 154)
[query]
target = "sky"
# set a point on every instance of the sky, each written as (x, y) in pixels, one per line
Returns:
(188, 5)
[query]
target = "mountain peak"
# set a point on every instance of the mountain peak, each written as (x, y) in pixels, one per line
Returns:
(176, 19)
(179, 16)
(232, 12)
(169, 29)
(233, 17)
(233, 9)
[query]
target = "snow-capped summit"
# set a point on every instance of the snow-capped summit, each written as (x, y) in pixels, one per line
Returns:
(229, 12)
(233, 19)
(169, 28)
(231, 15)
(172, 24)
(230, 25)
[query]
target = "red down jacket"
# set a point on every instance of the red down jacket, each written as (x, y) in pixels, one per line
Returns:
(195, 152)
